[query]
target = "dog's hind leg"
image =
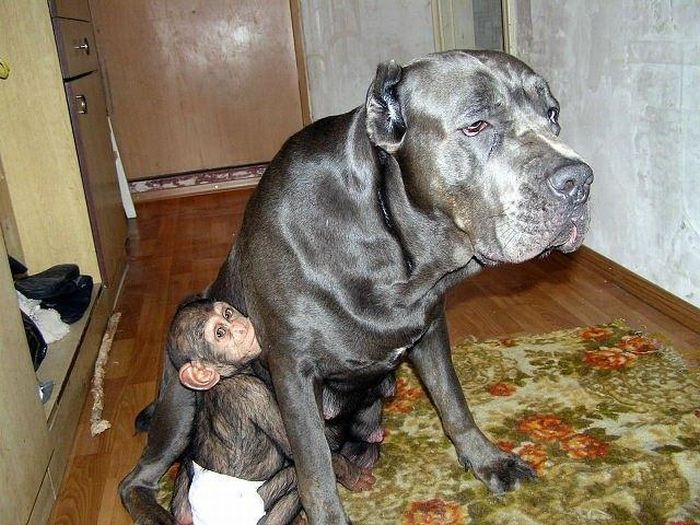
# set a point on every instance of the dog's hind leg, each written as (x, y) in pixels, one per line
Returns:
(143, 418)
(366, 433)
(168, 437)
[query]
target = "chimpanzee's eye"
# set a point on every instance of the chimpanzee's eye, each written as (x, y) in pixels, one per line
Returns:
(220, 331)
(228, 314)
(553, 115)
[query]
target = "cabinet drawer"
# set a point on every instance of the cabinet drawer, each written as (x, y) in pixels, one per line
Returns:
(76, 47)
(88, 112)
(77, 9)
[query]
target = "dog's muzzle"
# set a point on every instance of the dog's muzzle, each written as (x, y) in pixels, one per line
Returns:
(572, 182)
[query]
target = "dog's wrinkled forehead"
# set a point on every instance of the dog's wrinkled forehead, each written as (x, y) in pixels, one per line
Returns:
(457, 84)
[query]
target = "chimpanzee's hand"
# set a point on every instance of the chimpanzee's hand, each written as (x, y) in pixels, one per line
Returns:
(358, 480)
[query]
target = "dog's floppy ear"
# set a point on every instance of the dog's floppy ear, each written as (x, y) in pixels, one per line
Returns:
(385, 124)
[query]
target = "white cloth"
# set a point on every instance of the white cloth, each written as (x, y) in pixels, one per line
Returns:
(217, 499)
(47, 320)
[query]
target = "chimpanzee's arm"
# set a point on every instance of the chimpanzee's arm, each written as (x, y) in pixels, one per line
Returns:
(285, 481)
(261, 408)
(278, 486)
(283, 511)
(267, 417)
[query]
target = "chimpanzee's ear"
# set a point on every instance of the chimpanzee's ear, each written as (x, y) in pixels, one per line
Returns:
(385, 124)
(198, 376)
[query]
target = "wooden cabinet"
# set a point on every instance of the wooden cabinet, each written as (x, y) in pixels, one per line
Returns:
(24, 432)
(75, 9)
(76, 46)
(59, 203)
(88, 113)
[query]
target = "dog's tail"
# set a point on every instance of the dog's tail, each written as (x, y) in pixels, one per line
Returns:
(143, 420)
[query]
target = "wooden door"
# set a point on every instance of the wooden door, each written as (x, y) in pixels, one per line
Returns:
(198, 84)
(88, 114)
(24, 438)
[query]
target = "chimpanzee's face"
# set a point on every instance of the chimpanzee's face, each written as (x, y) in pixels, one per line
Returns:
(230, 335)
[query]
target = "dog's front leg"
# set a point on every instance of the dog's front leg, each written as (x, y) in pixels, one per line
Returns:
(432, 359)
(294, 388)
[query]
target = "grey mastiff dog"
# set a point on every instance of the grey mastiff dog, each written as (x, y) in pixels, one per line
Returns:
(358, 227)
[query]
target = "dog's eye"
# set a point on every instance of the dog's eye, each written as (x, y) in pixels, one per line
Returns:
(475, 128)
(553, 115)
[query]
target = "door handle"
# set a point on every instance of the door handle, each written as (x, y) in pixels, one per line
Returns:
(85, 46)
(82, 104)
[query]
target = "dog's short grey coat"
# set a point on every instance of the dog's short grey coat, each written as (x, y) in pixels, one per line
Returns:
(358, 227)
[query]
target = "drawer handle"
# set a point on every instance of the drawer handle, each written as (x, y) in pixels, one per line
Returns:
(85, 46)
(82, 104)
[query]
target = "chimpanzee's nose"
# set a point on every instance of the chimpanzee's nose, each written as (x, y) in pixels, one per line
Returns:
(572, 181)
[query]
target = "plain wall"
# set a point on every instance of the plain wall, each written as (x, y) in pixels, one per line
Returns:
(344, 40)
(627, 74)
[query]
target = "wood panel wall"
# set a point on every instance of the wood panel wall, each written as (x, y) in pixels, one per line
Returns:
(197, 85)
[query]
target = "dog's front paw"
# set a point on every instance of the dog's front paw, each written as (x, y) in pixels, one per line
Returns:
(504, 473)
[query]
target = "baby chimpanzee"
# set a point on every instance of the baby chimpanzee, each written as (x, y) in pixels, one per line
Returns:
(238, 467)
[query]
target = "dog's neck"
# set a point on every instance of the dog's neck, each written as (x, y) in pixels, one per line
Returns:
(436, 253)
(431, 242)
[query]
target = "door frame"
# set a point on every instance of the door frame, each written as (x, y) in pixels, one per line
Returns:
(298, 33)
(446, 26)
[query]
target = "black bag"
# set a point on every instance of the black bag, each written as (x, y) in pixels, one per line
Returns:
(36, 342)
(62, 288)
(16, 267)
(55, 281)
(72, 305)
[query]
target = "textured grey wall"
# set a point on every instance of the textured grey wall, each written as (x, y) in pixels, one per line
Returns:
(344, 40)
(627, 73)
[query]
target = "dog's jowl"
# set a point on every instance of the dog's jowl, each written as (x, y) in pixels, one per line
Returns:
(358, 227)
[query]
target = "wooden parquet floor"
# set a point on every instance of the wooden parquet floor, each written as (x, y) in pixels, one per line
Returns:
(176, 247)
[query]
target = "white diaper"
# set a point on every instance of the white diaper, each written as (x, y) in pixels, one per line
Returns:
(217, 499)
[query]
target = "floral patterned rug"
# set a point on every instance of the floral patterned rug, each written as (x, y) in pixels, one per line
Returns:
(609, 417)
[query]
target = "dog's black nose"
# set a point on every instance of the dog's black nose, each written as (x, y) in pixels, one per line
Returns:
(572, 181)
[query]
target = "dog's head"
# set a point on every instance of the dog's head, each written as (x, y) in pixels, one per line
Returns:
(475, 134)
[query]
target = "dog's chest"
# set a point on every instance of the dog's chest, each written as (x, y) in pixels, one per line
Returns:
(367, 365)
(368, 380)
(396, 355)
(389, 359)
